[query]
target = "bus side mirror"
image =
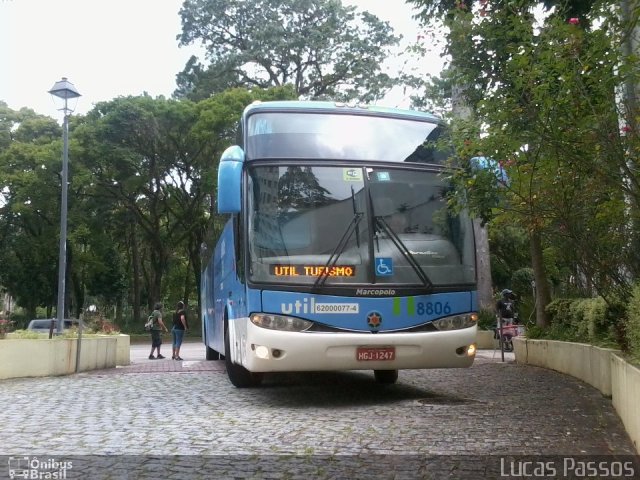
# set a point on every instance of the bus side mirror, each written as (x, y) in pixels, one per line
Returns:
(230, 180)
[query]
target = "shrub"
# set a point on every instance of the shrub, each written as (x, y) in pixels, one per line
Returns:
(100, 325)
(596, 317)
(5, 326)
(591, 320)
(486, 319)
(560, 311)
(577, 318)
(632, 332)
(521, 281)
(26, 334)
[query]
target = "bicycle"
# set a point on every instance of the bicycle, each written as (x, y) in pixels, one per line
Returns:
(506, 329)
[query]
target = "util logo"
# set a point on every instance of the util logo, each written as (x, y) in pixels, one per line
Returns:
(305, 306)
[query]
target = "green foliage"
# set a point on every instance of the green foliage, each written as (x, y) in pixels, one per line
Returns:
(150, 160)
(20, 319)
(486, 319)
(632, 329)
(142, 179)
(67, 334)
(29, 207)
(544, 103)
(521, 280)
(586, 320)
(320, 47)
(560, 310)
(26, 334)
(509, 254)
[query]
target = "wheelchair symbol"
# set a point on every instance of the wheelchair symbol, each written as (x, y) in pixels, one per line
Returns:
(384, 267)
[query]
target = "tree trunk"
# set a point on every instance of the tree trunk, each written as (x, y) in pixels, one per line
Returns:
(485, 293)
(196, 264)
(543, 296)
(135, 261)
(185, 285)
(157, 267)
(483, 259)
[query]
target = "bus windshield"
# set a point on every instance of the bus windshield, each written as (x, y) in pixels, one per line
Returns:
(355, 225)
(349, 137)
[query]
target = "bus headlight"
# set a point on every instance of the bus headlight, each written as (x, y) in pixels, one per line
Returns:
(456, 322)
(280, 322)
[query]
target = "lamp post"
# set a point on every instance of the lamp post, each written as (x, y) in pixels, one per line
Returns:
(63, 91)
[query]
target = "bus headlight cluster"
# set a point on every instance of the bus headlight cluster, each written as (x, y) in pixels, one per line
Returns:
(280, 322)
(456, 322)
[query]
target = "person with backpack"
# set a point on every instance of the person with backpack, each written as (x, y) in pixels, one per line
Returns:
(157, 326)
(506, 306)
(179, 327)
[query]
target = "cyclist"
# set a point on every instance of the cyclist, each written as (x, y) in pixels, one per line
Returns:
(506, 306)
(506, 315)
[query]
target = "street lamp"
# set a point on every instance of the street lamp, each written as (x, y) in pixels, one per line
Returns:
(63, 92)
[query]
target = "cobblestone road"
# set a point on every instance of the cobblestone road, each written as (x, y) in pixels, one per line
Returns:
(169, 409)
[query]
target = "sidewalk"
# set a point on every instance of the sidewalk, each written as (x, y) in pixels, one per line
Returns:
(192, 352)
(495, 355)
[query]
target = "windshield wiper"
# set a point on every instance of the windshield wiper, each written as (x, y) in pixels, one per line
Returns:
(355, 212)
(333, 258)
(402, 248)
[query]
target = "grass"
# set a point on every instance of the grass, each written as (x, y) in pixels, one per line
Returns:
(31, 335)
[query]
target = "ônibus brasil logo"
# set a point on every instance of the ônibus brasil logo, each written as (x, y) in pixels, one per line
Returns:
(374, 320)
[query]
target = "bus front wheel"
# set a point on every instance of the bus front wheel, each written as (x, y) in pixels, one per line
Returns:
(386, 376)
(238, 375)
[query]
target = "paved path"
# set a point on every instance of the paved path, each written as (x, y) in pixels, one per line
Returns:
(185, 415)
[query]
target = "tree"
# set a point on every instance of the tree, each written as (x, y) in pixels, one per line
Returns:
(29, 211)
(150, 170)
(548, 108)
(486, 40)
(321, 48)
(141, 153)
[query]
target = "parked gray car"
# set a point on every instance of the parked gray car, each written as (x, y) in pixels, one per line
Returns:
(42, 325)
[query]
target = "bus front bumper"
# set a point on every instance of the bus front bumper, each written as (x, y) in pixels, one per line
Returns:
(263, 350)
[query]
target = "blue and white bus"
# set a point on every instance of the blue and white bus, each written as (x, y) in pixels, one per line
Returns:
(340, 252)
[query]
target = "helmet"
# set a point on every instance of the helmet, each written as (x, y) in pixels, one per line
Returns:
(506, 293)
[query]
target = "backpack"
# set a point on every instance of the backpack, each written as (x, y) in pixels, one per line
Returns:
(505, 308)
(149, 324)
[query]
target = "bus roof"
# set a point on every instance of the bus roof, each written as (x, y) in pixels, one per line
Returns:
(338, 107)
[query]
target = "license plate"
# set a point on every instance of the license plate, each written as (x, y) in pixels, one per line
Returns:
(366, 354)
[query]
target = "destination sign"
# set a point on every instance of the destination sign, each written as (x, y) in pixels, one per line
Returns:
(312, 270)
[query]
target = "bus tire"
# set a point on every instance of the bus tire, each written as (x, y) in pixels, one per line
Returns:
(239, 376)
(386, 376)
